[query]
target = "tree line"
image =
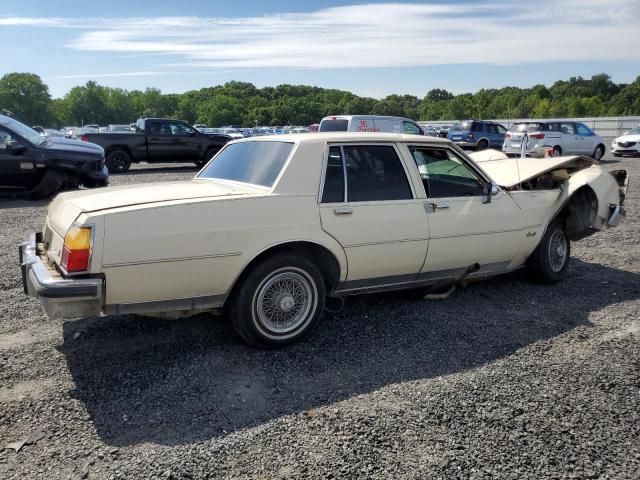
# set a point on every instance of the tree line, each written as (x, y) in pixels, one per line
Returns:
(241, 103)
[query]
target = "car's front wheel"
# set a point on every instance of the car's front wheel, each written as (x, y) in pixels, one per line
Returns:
(549, 261)
(278, 301)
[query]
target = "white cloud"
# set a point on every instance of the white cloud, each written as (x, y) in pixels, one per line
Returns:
(375, 35)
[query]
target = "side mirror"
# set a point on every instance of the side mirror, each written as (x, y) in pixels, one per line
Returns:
(15, 148)
(491, 190)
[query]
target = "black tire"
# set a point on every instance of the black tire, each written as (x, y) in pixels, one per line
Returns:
(208, 155)
(482, 145)
(246, 307)
(118, 161)
(557, 151)
(549, 261)
(598, 153)
(52, 182)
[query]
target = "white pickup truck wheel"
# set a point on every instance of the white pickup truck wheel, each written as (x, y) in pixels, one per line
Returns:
(278, 301)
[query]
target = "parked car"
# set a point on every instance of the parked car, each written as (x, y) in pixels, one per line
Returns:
(369, 123)
(79, 132)
(119, 129)
(477, 134)
(232, 132)
(34, 164)
(51, 133)
(69, 131)
(272, 225)
(561, 138)
(443, 131)
(157, 140)
(200, 126)
(628, 144)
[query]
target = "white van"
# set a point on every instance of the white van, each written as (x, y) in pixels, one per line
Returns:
(369, 123)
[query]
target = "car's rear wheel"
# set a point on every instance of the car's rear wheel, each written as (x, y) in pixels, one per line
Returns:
(482, 145)
(118, 161)
(557, 151)
(598, 153)
(549, 261)
(278, 301)
(207, 156)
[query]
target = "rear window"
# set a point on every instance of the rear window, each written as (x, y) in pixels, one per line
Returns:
(529, 127)
(337, 125)
(460, 126)
(258, 163)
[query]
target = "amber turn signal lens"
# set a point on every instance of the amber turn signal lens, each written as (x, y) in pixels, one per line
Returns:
(77, 249)
(78, 238)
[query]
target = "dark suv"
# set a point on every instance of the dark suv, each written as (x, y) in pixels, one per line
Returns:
(477, 134)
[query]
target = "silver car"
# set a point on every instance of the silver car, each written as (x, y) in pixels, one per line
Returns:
(554, 138)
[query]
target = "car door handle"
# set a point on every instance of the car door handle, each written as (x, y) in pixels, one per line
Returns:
(343, 211)
(437, 205)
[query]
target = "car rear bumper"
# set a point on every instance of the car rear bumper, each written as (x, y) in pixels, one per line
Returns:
(60, 297)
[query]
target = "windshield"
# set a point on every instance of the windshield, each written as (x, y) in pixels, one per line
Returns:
(529, 127)
(25, 132)
(258, 163)
(334, 125)
(635, 131)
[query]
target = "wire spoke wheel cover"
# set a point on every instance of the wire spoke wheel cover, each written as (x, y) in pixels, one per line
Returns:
(557, 250)
(284, 302)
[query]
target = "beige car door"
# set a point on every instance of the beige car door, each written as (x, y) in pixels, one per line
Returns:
(368, 205)
(464, 228)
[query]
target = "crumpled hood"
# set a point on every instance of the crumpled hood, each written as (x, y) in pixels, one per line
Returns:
(130, 195)
(509, 172)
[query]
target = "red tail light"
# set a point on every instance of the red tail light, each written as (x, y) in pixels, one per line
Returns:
(75, 260)
(84, 138)
(537, 136)
(507, 136)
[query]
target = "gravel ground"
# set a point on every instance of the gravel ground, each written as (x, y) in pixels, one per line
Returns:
(505, 379)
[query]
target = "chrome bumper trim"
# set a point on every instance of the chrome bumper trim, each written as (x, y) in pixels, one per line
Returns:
(60, 297)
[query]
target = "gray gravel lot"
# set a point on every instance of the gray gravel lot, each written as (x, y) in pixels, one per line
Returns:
(505, 379)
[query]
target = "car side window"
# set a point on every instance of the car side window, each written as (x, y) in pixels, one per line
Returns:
(375, 173)
(567, 128)
(5, 140)
(492, 129)
(180, 129)
(445, 174)
(583, 130)
(158, 129)
(476, 127)
(410, 127)
(333, 191)
(501, 130)
(553, 127)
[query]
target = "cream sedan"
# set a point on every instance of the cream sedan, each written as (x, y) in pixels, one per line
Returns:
(273, 225)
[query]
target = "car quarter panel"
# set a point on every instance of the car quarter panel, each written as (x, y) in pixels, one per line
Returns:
(199, 248)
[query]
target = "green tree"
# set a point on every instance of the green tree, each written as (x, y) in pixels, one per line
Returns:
(25, 95)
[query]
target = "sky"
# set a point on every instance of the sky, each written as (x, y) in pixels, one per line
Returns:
(371, 48)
